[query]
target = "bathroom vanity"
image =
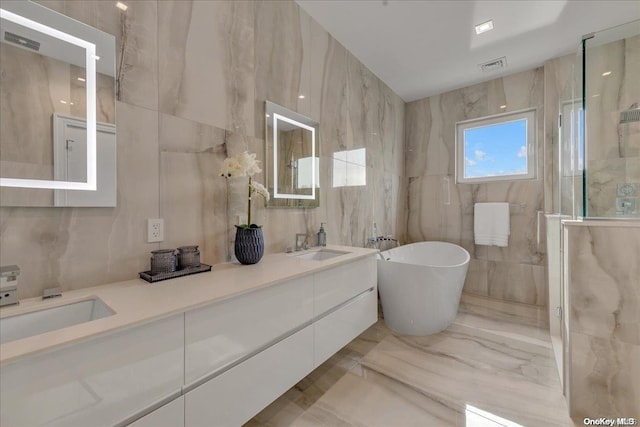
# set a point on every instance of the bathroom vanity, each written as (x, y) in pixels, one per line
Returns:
(209, 349)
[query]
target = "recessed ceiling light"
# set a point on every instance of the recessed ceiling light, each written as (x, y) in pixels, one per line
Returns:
(606, 73)
(484, 27)
(502, 107)
(122, 6)
(96, 57)
(82, 79)
(301, 96)
(268, 115)
(62, 101)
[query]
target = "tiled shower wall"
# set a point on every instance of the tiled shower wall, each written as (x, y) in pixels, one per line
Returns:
(195, 76)
(604, 320)
(613, 148)
(440, 209)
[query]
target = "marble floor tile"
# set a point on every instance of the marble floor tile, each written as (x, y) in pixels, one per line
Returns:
(480, 368)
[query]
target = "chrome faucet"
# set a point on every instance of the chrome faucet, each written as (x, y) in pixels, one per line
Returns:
(373, 242)
(302, 241)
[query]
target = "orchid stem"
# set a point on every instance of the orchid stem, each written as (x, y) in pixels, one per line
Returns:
(249, 206)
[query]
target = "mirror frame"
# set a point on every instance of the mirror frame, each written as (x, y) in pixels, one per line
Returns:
(90, 61)
(273, 114)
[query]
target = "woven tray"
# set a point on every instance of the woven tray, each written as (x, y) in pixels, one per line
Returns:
(151, 278)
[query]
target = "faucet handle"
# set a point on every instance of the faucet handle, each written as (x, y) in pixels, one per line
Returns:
(302, 244)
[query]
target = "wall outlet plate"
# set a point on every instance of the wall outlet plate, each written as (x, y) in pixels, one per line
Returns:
(155, 230)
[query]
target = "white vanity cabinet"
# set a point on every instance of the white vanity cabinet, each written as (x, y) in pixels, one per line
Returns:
(235, 396)
(242, 354)
(220, 335)
(102, 381)
(338, 285)
(346, 304)
(339, 328)
(218, 364)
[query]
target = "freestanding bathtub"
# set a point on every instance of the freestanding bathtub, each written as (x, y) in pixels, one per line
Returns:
(420, 286)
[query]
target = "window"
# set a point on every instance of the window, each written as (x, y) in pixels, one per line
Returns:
(350, 168)
(497, 148)
(304, 168)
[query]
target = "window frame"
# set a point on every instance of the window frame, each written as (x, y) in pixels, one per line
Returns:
(532, 158)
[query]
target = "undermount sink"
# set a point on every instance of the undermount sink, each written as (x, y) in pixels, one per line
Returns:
(321, 254)
(50, 319)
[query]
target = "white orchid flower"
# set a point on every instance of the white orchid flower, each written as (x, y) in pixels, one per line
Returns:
(245, 164)
(260, 189)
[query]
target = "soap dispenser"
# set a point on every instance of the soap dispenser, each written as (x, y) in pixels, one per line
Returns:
(322, 236)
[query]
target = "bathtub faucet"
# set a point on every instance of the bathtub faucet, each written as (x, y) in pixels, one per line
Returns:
(374, 242)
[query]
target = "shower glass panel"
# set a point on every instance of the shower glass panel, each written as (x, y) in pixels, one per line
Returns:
(571, 145)
(611, 97)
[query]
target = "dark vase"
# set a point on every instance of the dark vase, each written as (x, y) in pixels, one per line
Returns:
(249, 246)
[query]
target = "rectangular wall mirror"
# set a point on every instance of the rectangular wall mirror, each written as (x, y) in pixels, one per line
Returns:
(292, 158)
(57, 109)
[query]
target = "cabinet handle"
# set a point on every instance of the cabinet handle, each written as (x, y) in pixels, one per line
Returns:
(149, 409)
(211, 375)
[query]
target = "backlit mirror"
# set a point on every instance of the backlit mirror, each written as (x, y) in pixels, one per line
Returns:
(57, 109)
(292, 165)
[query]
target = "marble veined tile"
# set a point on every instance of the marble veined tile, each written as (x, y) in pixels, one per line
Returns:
(507, 312)
(190, 207)
(417, 129)
(477, 275)
(505, 370)
(206, 62)
(462, 366)
(523, 283)
(605, 289)
(605, 374)
(402, 406)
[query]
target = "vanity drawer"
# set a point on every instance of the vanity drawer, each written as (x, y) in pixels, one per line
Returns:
(337, 329)
(97, 382)
(169, 415)
(339, 284)
(218, 335)
(235, 396)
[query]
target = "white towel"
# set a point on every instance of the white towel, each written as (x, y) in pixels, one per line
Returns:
(491, 224)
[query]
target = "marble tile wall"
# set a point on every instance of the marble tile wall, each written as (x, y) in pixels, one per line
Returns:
(194, 76)
(515, 273)
(604, 322)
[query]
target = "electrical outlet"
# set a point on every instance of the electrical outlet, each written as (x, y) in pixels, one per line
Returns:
(155, 230)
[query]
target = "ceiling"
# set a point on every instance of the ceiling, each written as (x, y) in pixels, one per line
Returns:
(421, 48)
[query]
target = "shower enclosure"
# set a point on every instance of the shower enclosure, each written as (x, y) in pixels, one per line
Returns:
(598, 157)
(596, 154)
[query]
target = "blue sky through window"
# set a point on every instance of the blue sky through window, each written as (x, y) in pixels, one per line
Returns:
(496, 150)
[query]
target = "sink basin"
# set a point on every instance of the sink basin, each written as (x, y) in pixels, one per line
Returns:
(321, 255)
(50, 319)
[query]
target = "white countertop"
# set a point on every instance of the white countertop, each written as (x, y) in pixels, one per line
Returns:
(137, 301)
